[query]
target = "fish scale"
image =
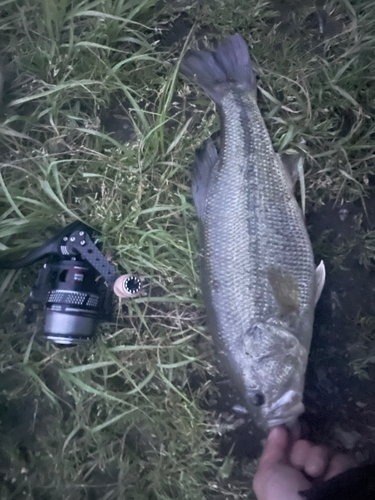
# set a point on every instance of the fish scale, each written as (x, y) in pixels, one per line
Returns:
(257, 267)
(232, 182)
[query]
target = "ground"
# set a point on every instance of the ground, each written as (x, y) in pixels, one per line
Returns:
(97, 125)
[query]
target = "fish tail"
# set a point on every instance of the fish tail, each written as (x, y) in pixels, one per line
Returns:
(229, 68)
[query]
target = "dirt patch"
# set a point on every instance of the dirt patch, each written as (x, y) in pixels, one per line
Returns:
(339, 393)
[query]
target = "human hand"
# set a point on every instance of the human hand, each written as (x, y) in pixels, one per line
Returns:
(284, 466)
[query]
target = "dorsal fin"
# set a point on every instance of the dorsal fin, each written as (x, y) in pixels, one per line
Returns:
(205, 159)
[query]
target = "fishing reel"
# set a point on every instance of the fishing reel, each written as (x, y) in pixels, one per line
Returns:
(75, 286)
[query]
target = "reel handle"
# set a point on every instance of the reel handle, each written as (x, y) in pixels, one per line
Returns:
(79, 242)
(127, 285)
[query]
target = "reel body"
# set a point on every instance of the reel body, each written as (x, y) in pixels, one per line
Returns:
(75, 287)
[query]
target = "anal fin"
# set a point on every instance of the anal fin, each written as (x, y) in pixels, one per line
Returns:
(205, 159)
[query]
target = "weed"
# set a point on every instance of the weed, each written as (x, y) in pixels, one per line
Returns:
(123, 417)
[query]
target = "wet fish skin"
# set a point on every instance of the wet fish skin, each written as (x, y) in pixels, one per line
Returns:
(257, 267)
(2, 78)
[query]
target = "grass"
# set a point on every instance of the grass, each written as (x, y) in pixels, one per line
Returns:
(124, 417)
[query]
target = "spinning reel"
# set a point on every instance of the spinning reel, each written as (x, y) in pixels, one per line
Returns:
(75, 286)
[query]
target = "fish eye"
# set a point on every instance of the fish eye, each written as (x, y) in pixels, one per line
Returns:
(258, 399)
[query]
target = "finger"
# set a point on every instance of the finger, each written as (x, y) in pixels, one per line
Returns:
(276, 447)
(339, 463)
(317, 461)
(295, 431)
(299, 453)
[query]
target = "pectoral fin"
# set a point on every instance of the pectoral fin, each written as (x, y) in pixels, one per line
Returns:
(320, 278)
(291, 164)
(285, 290)
(293, 167)
(205, 159)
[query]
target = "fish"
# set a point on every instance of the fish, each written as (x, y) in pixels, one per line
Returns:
(258, 276)
(2, 79)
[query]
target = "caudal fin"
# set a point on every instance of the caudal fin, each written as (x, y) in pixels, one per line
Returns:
(229, 68)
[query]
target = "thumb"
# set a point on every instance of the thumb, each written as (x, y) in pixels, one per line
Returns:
(276, 449)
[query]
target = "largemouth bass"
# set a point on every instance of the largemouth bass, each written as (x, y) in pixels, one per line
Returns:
(258, 274)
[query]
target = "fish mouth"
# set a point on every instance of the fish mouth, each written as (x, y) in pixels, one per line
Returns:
(285, 410)
(287, 419)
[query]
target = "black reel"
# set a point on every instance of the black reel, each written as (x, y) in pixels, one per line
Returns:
(75, 286)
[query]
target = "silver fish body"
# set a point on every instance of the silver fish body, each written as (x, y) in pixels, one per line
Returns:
(257, 269)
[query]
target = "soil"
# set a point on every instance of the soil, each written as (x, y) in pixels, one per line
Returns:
(340, 405)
